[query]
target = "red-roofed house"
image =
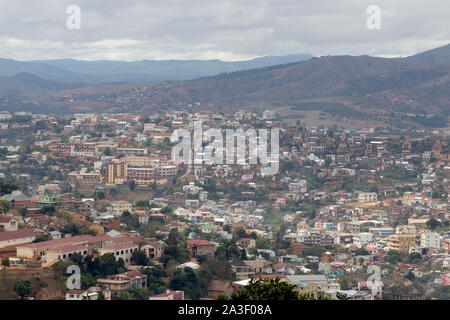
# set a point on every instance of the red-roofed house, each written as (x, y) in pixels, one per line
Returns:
(8, 223)
(200, 247)
(40, 249)
(153, 249)
(247, 243)
(169, 295)
(124, 281)
(17, 237)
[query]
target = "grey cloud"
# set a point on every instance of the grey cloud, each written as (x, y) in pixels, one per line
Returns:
(209, 29)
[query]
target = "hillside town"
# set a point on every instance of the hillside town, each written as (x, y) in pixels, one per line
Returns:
(361, 212)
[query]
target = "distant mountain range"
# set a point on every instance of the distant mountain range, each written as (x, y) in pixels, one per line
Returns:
(412, 91)
(103, 71)
(436, 56)
(25, 82)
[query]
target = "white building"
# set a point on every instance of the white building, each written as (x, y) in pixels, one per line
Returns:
(367, 197)
(430, 239)
(300, 186)
(363, 238)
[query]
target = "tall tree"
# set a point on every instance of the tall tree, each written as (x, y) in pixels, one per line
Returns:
(22, 288)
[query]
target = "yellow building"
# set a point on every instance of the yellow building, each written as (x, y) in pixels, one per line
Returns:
(401, 242)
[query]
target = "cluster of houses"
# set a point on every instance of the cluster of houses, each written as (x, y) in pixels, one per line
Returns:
(338, 189)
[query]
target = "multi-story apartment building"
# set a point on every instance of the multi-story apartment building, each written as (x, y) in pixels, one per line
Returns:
(124, 281)
(143, 170)
(401, 242)
(85, 177)
(75, 149)
(132, 151)
(430, 239)
(118, 207)
(115, 173)
(367, 197)
(121, 250)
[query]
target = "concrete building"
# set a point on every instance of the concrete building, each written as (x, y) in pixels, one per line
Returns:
(367, 197)
(430, 239)
(17, 237)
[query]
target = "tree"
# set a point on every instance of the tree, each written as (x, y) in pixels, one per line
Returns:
(124, 295)
(129, 219)
(140, 258)
(240, 233)
(113, 192)
(253, 235)
(22, 288)
(314, 266)
(188, 282)
(99, 195)
(410, 276)
(166, 210)
(243, 255)
(5, 262)
(155, 284)
(101, 296)
(107, 151)
(274, 289)
(268, 289)
(361, 252)
(442, 293)
(142, 203)
(227, 250)
(414, 258)
(140, 293)
(174, 237)
(433, 223)
(104, 265)
(132, 185)
(394, 257)
(173, 252)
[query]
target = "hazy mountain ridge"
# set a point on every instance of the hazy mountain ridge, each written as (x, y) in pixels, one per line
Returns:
(380, 89)
(25, 82)
(437, 56)
(104, 71)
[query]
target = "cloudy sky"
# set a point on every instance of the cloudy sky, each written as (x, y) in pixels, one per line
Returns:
(212, 29)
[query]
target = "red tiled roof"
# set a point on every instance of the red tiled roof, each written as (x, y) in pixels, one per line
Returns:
(75, 291)
(199, 243)
(69, 248)
(5, 219)
(60, 242)
(123, 240)
(166, 294)
(103, 237)
(17, 234)
(120, 246)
